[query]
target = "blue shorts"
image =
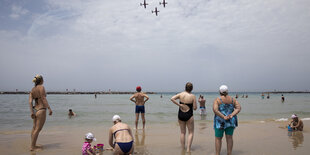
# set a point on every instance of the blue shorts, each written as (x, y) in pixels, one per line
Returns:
(140, 109)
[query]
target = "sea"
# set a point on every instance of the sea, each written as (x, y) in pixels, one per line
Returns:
(91, 111)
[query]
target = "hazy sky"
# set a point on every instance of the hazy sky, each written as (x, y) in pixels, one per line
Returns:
(92, 45)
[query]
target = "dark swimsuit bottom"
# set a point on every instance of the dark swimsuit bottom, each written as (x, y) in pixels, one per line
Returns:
(185, 116)
(124, 146)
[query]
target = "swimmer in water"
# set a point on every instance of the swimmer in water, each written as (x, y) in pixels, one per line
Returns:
(71, 113)
(282, 98)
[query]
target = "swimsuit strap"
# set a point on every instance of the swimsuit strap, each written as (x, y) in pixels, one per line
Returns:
(232, 100)
(118, 130)
(221, 100)
(185, 103)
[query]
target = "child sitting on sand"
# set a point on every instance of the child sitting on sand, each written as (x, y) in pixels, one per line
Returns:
(87, 149)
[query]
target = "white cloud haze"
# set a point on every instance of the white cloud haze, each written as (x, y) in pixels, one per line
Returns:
(93, 45)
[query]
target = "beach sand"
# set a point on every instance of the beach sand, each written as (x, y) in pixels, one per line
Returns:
(250, 138)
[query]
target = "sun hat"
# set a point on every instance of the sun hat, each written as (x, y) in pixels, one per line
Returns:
(116, 117)
(294, 116)
(138, 88)
(90, 136)
(223, 89)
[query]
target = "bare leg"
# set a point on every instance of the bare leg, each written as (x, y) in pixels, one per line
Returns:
(190, 137)
(143, 119)
(39, 122)
(32, 131)
(218, 145)
(137, 119)
(229, 141)
(183, 132)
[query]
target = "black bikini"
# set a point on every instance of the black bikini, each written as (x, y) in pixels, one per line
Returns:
(185, 116)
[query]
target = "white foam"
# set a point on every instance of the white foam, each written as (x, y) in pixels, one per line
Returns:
(305, 119)
(261, 121)
(282, 119)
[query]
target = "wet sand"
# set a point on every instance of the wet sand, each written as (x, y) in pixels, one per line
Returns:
(250, 138)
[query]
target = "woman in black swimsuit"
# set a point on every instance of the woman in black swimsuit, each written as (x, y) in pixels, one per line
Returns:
(186, 106)
(38, 111)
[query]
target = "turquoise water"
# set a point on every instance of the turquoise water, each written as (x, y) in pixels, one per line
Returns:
(15, 115)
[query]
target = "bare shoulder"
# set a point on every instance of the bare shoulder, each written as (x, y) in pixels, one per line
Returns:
(193, 96)
(40, 87)
(127, 126)
(216, 100)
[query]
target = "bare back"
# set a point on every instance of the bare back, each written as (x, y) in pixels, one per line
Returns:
(122, 132)
(38, 94)
(187, 98)
(202, 102)
(139, 98)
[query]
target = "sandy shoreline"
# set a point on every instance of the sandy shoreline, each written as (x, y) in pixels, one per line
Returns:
(249, 138)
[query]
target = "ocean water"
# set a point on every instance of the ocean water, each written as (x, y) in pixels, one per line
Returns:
(15, 113)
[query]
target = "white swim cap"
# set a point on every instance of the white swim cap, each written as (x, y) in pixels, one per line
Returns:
(116, 117)
(90, 136)
(294, 116)
(223, 89)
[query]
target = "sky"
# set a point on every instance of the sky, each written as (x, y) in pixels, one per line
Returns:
(97, 45)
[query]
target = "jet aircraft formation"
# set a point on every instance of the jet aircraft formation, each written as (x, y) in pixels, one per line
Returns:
(144, 4)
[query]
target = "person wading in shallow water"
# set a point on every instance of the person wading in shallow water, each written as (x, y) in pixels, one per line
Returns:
(186, 119)
(138, 99)
(38, 111)
(225, 109)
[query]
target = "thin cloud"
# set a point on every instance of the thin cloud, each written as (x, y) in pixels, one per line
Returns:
(17, 12)
(249, 45)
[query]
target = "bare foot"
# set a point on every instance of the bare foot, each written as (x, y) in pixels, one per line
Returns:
(188, 150)
(39, 146)
(36, 148)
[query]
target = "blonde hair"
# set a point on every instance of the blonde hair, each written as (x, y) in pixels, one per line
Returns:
(37, 79)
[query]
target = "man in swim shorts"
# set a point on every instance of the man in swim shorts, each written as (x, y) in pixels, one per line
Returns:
(138, 99)
(202, 103)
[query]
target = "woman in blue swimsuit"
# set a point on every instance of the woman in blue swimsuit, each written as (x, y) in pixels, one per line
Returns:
(225, 109)
(122, 134)
(185, 115)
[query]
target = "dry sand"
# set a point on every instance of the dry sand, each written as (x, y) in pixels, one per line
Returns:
(251, 138)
